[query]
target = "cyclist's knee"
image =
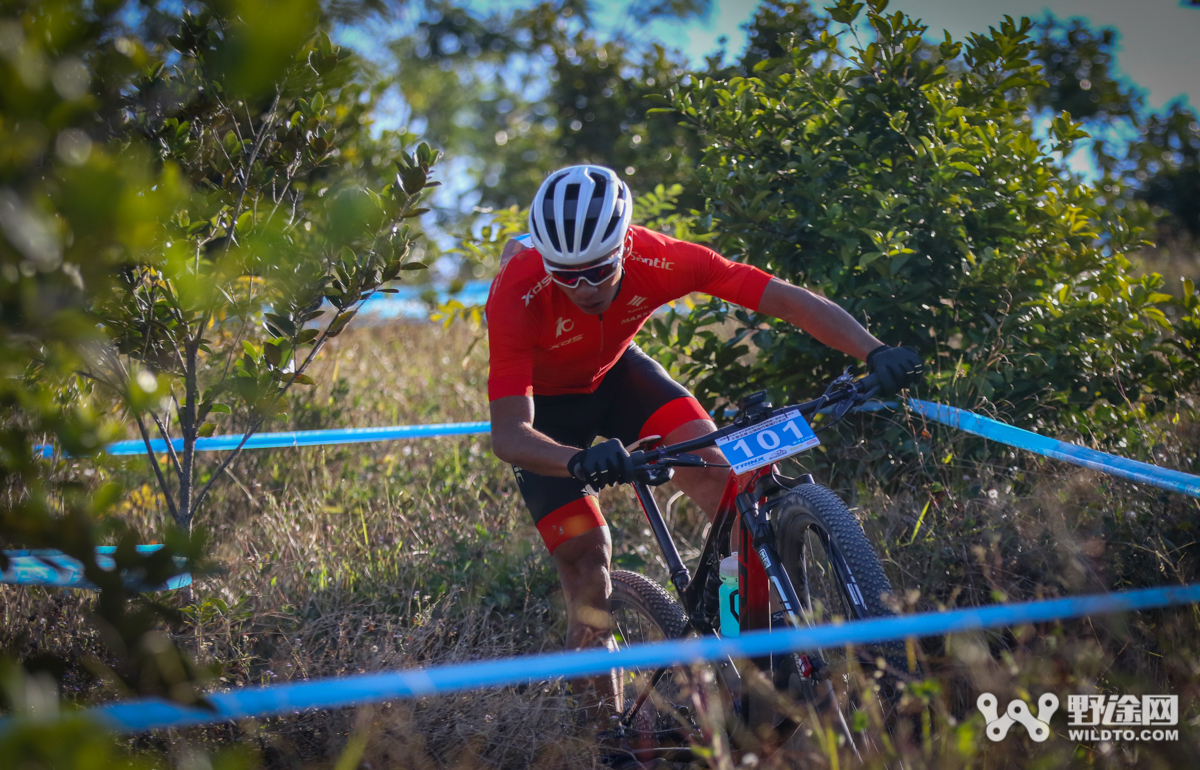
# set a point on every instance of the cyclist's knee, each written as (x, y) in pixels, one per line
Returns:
(583, 562)
(583, 568)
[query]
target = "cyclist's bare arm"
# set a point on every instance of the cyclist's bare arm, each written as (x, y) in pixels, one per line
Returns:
(820, 317)
(515, 441)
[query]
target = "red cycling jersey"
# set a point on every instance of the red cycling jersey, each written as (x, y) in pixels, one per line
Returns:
(541, 342)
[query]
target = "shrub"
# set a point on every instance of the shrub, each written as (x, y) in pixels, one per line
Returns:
(907, 182)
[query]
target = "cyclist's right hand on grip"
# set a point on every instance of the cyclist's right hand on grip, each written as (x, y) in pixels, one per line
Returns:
(603, 464)
(895, 368)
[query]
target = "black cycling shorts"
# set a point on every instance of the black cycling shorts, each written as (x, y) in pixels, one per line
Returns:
(636, 398)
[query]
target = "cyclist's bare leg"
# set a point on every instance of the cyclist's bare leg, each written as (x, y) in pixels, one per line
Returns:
(583, 569)
(704, 486)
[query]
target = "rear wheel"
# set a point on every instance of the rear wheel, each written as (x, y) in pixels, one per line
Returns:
(838, 577)
(663, 726)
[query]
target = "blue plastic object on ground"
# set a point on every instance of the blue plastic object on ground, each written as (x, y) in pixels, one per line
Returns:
(153, 713)
(48, 567)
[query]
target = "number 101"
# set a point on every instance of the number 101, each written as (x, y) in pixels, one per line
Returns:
(768, 439)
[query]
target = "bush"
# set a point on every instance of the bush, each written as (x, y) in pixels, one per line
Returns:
(908, 182)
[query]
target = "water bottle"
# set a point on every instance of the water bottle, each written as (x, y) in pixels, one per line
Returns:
(729, 596)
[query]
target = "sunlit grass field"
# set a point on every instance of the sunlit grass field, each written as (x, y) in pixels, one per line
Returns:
(346, 559)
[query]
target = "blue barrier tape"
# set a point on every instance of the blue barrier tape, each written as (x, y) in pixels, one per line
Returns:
(994, 430)
(298, 438)
(48, 567)
(947, 415)
(154, 713)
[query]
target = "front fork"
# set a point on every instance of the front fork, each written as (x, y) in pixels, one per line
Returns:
(756, 529)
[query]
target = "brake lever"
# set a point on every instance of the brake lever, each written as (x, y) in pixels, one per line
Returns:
(691, 461)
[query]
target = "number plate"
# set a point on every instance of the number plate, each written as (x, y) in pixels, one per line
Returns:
(781, 436)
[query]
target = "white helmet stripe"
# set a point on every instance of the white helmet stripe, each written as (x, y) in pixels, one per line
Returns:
(587, 186)
(560, 200)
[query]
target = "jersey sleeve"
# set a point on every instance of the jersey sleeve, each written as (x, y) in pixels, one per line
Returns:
(510, 365)
(713, 274)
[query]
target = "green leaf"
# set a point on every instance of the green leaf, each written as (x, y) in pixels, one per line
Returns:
(220, 409)
(206, 430)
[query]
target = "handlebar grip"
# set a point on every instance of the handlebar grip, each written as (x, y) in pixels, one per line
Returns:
(867, 384)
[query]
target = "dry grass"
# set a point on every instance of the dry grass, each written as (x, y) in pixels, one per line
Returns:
(358, 558)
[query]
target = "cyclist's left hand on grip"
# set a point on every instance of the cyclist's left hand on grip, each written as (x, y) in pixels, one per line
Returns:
(603, 464)
(896, 368)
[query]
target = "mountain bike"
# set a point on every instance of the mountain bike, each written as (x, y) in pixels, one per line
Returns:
(798, 549)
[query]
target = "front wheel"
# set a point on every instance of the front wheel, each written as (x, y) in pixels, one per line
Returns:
(837, 576)
(666, 723)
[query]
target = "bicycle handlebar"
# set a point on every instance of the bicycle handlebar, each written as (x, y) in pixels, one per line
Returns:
(677, 455)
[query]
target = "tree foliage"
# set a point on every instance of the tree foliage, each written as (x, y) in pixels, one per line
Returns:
(177, 197)
(913, 191)
(74, 208)
(515, 94)
(274, 215)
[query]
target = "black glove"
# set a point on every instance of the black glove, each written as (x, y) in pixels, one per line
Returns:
(896, 368)
(603, 464)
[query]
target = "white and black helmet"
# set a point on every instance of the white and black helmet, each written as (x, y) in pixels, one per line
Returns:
(580, 213)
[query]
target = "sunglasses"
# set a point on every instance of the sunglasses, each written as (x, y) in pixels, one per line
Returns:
(595, 275)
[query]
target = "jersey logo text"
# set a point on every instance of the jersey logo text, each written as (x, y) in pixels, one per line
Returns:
(658, 262)
(565, 342)
(637, 301)
(564, 325)
(528, 296)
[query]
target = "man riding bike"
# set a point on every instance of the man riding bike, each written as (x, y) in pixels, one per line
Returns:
(561, 320)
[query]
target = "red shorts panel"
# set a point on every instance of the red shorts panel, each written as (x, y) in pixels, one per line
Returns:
(574, 518)
(671, 415)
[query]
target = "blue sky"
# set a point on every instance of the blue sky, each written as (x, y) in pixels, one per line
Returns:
(1157, 40)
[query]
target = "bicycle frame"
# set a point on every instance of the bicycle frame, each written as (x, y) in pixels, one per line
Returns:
(744, 503)
(759, 566)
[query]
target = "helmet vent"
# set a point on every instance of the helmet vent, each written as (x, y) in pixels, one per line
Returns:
(580, 214)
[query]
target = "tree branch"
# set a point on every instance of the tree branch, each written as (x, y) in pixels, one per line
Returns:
(162, 430)
(162, 480)
(226, 462)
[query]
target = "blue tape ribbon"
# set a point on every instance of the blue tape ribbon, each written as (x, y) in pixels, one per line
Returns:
(947, 415)
(48, 567)
(154, 713)
(298, 438)
(995, 430)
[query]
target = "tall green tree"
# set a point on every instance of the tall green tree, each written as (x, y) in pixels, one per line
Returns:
(1166, 165)
(222, 314)
(76, 205)
(515, 93)
(177, 196)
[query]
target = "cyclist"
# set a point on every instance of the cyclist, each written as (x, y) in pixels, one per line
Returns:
(562, 314)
